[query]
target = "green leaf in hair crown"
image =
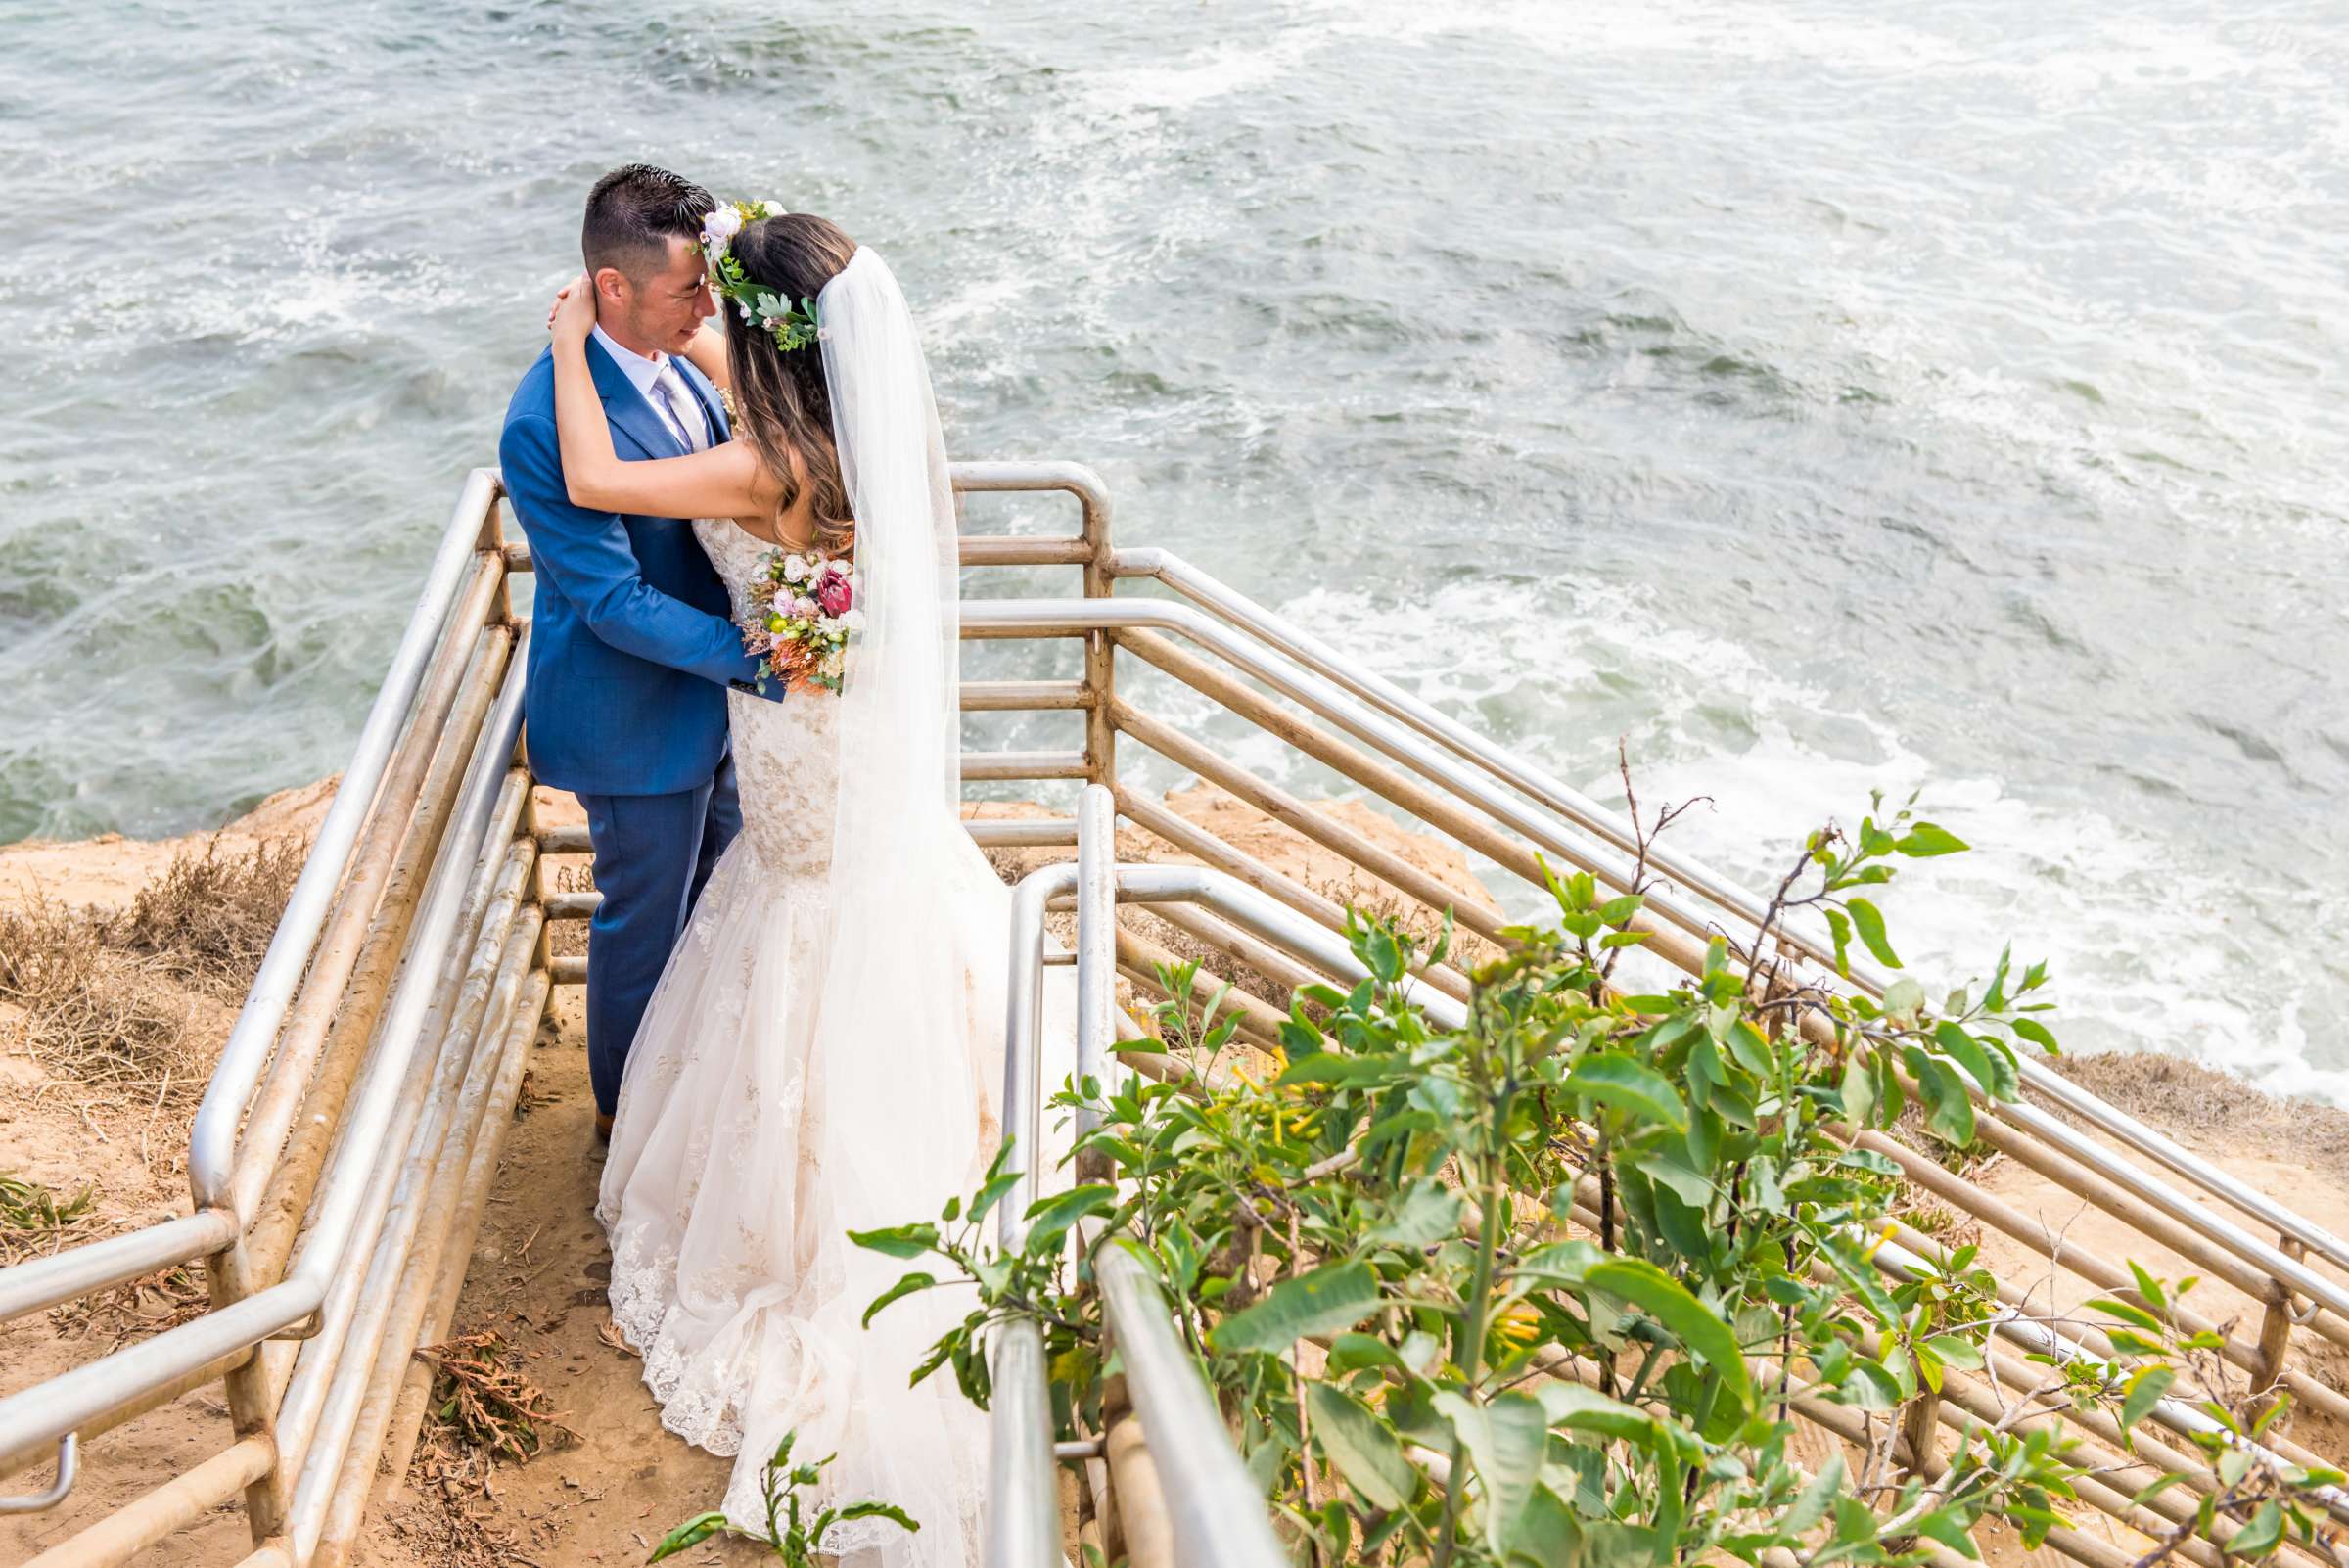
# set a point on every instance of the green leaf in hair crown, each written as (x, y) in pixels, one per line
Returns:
(762, 305)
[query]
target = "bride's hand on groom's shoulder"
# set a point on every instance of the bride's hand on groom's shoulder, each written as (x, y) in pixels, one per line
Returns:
(572, 315)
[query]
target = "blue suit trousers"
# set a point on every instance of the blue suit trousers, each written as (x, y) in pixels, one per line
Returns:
(653, 855)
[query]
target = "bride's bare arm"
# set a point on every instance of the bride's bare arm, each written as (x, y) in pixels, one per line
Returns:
(726, 481)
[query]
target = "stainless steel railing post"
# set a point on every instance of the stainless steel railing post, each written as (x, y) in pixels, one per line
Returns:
(1023, 1519)
(1218, 1514)
(1100, 650)
(1096, 954)
(1022, 1071)
(1022, 1523)
(211, 1142)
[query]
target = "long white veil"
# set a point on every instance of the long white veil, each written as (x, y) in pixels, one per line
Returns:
(901, 708)
(899, 993)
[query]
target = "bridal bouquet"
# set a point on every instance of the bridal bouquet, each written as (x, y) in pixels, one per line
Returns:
(803, 613)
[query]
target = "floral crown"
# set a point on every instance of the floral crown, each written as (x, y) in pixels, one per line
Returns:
(794, 326)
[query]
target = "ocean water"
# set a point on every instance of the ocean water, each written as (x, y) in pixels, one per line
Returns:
(1810, 397)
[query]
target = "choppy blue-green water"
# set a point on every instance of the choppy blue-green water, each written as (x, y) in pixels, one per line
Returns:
(1814, 396)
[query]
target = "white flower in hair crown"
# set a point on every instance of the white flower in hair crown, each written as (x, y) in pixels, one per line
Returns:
(792, 326)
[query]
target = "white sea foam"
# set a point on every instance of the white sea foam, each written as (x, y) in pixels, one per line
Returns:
(1218, 71)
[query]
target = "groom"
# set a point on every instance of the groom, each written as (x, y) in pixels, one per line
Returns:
(632, 651)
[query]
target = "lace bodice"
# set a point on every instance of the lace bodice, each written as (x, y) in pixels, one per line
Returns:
(786, 754)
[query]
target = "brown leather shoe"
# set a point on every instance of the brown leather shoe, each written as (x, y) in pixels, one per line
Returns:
(603, 1133)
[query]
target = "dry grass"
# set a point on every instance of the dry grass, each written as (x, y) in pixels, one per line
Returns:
(92, 1012)
(1375, 901)
(482, 1399)
(1926, 1215)
(107, 1001)
(33, 1221)
(136, 1308)
(2211, 1109)
(484, 1409)
(208, 918)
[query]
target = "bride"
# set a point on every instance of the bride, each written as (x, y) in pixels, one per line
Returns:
(824, 1052)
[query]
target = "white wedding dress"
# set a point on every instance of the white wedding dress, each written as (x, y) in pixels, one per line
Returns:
(824, 1052)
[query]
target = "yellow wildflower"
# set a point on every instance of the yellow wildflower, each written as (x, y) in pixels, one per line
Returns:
(1521, 1325)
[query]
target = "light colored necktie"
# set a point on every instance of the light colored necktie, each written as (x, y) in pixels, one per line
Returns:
(684, 410)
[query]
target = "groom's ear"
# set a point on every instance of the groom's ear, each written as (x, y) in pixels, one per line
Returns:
(611, 288)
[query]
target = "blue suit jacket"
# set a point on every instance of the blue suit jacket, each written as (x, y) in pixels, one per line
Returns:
(632, 648)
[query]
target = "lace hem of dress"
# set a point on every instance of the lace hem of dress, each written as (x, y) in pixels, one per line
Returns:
(643, 1293)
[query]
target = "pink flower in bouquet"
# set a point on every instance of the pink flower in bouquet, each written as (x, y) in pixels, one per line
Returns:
(834, 595)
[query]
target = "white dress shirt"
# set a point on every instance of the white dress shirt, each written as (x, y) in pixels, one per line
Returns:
(643, 372)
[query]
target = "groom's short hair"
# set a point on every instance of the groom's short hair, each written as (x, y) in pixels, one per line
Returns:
(632, 214)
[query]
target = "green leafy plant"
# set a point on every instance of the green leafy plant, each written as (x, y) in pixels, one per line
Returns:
(34, 1207)
(1554, 1287)
(789, 1533)
(34, 1217)
(1544, 1288)
(2261, 1499)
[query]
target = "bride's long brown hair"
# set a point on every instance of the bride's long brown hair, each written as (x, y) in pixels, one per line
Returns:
(781, 399)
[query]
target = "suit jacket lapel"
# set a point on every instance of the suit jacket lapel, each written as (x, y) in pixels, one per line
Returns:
(627, 409)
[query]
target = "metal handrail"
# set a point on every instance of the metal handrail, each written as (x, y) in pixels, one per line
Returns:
(1215, 1505)
(212, 1141)
(322, 1413)
(1216, 1509)
(2042, 1339)
(1318, 656)
(476, 797)
(1022, 1518)
(37, 1416)
(1023, 1060)
(988, 619)
(221, 1211)
(69, 1470)
(31, 1286)
(1007, 618)
(1096, 948)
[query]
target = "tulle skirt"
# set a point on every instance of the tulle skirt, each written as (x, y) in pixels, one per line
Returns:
(753, 1133)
